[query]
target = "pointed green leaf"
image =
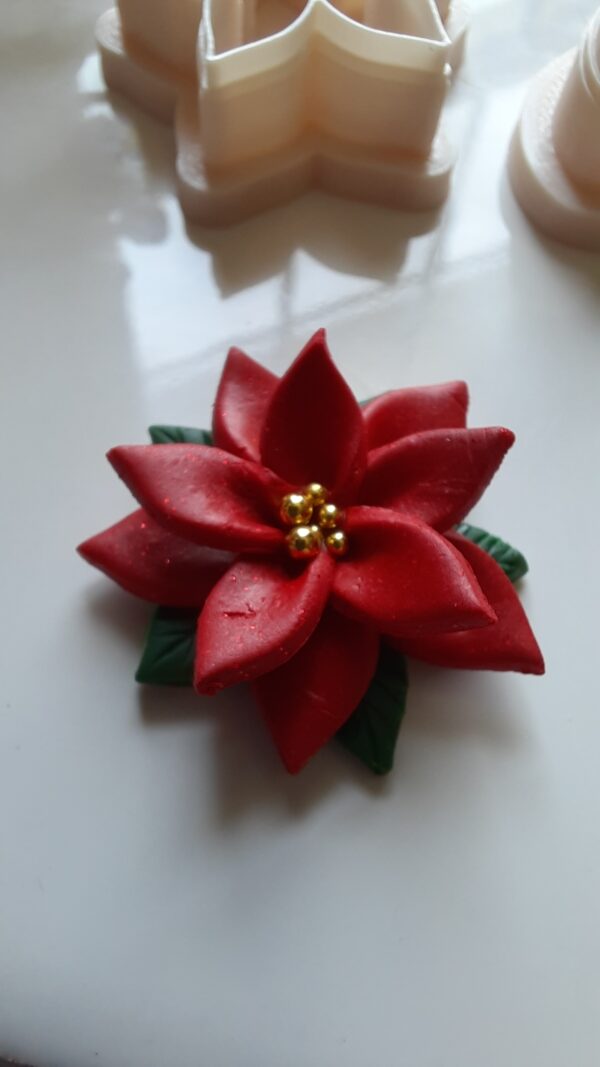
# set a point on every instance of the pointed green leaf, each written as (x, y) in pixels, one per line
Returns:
(512, 561)
(177, 435)
(372, 730)
(168, 657)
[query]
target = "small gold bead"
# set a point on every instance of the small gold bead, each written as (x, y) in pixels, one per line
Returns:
(316, 493)
(337, 543)
(304, 542)
(330, 516)
(296, 509)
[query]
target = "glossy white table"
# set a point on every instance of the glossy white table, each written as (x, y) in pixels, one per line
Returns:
(167, 894)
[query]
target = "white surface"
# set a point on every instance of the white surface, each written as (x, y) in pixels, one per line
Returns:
(167, 894)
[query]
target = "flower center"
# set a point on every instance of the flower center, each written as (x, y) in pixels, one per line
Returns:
(316, 523)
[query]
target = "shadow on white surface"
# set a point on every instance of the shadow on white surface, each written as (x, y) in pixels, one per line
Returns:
(584, 267)
(453, 708)
(460, 707)
(343, 235)
(125, 615)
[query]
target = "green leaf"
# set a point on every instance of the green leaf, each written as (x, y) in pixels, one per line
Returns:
(177, 435)
(513, 563)
(168, 657)
(372, 730)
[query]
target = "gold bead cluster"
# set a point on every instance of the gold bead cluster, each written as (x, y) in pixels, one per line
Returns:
(317, 523)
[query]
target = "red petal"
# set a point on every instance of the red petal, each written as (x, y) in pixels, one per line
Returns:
(403, 577)
(408, 411)
(154, 564)
(507, 645)
(257, 616)
(436, 476)
(203, 494)
(306, 701)
(314, 430)
(244, 392)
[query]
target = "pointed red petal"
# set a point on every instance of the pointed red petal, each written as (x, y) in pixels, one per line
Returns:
(256, 617)
(244, 392)
(154, 564)
(507, 645)
(204, 494)
(403, 577)
(407, 411)
(436, 476)
(314, 430)
(306, 701)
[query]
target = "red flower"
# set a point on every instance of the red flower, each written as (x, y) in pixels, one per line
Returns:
(401, 473)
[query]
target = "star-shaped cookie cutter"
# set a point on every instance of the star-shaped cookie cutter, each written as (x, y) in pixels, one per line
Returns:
(270, 97)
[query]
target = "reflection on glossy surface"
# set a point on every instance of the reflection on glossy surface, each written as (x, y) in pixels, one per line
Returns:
(165, 890)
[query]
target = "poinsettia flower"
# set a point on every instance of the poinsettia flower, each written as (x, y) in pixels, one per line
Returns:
(313, 530)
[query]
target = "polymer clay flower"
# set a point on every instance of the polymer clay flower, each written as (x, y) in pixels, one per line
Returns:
(315, 539)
